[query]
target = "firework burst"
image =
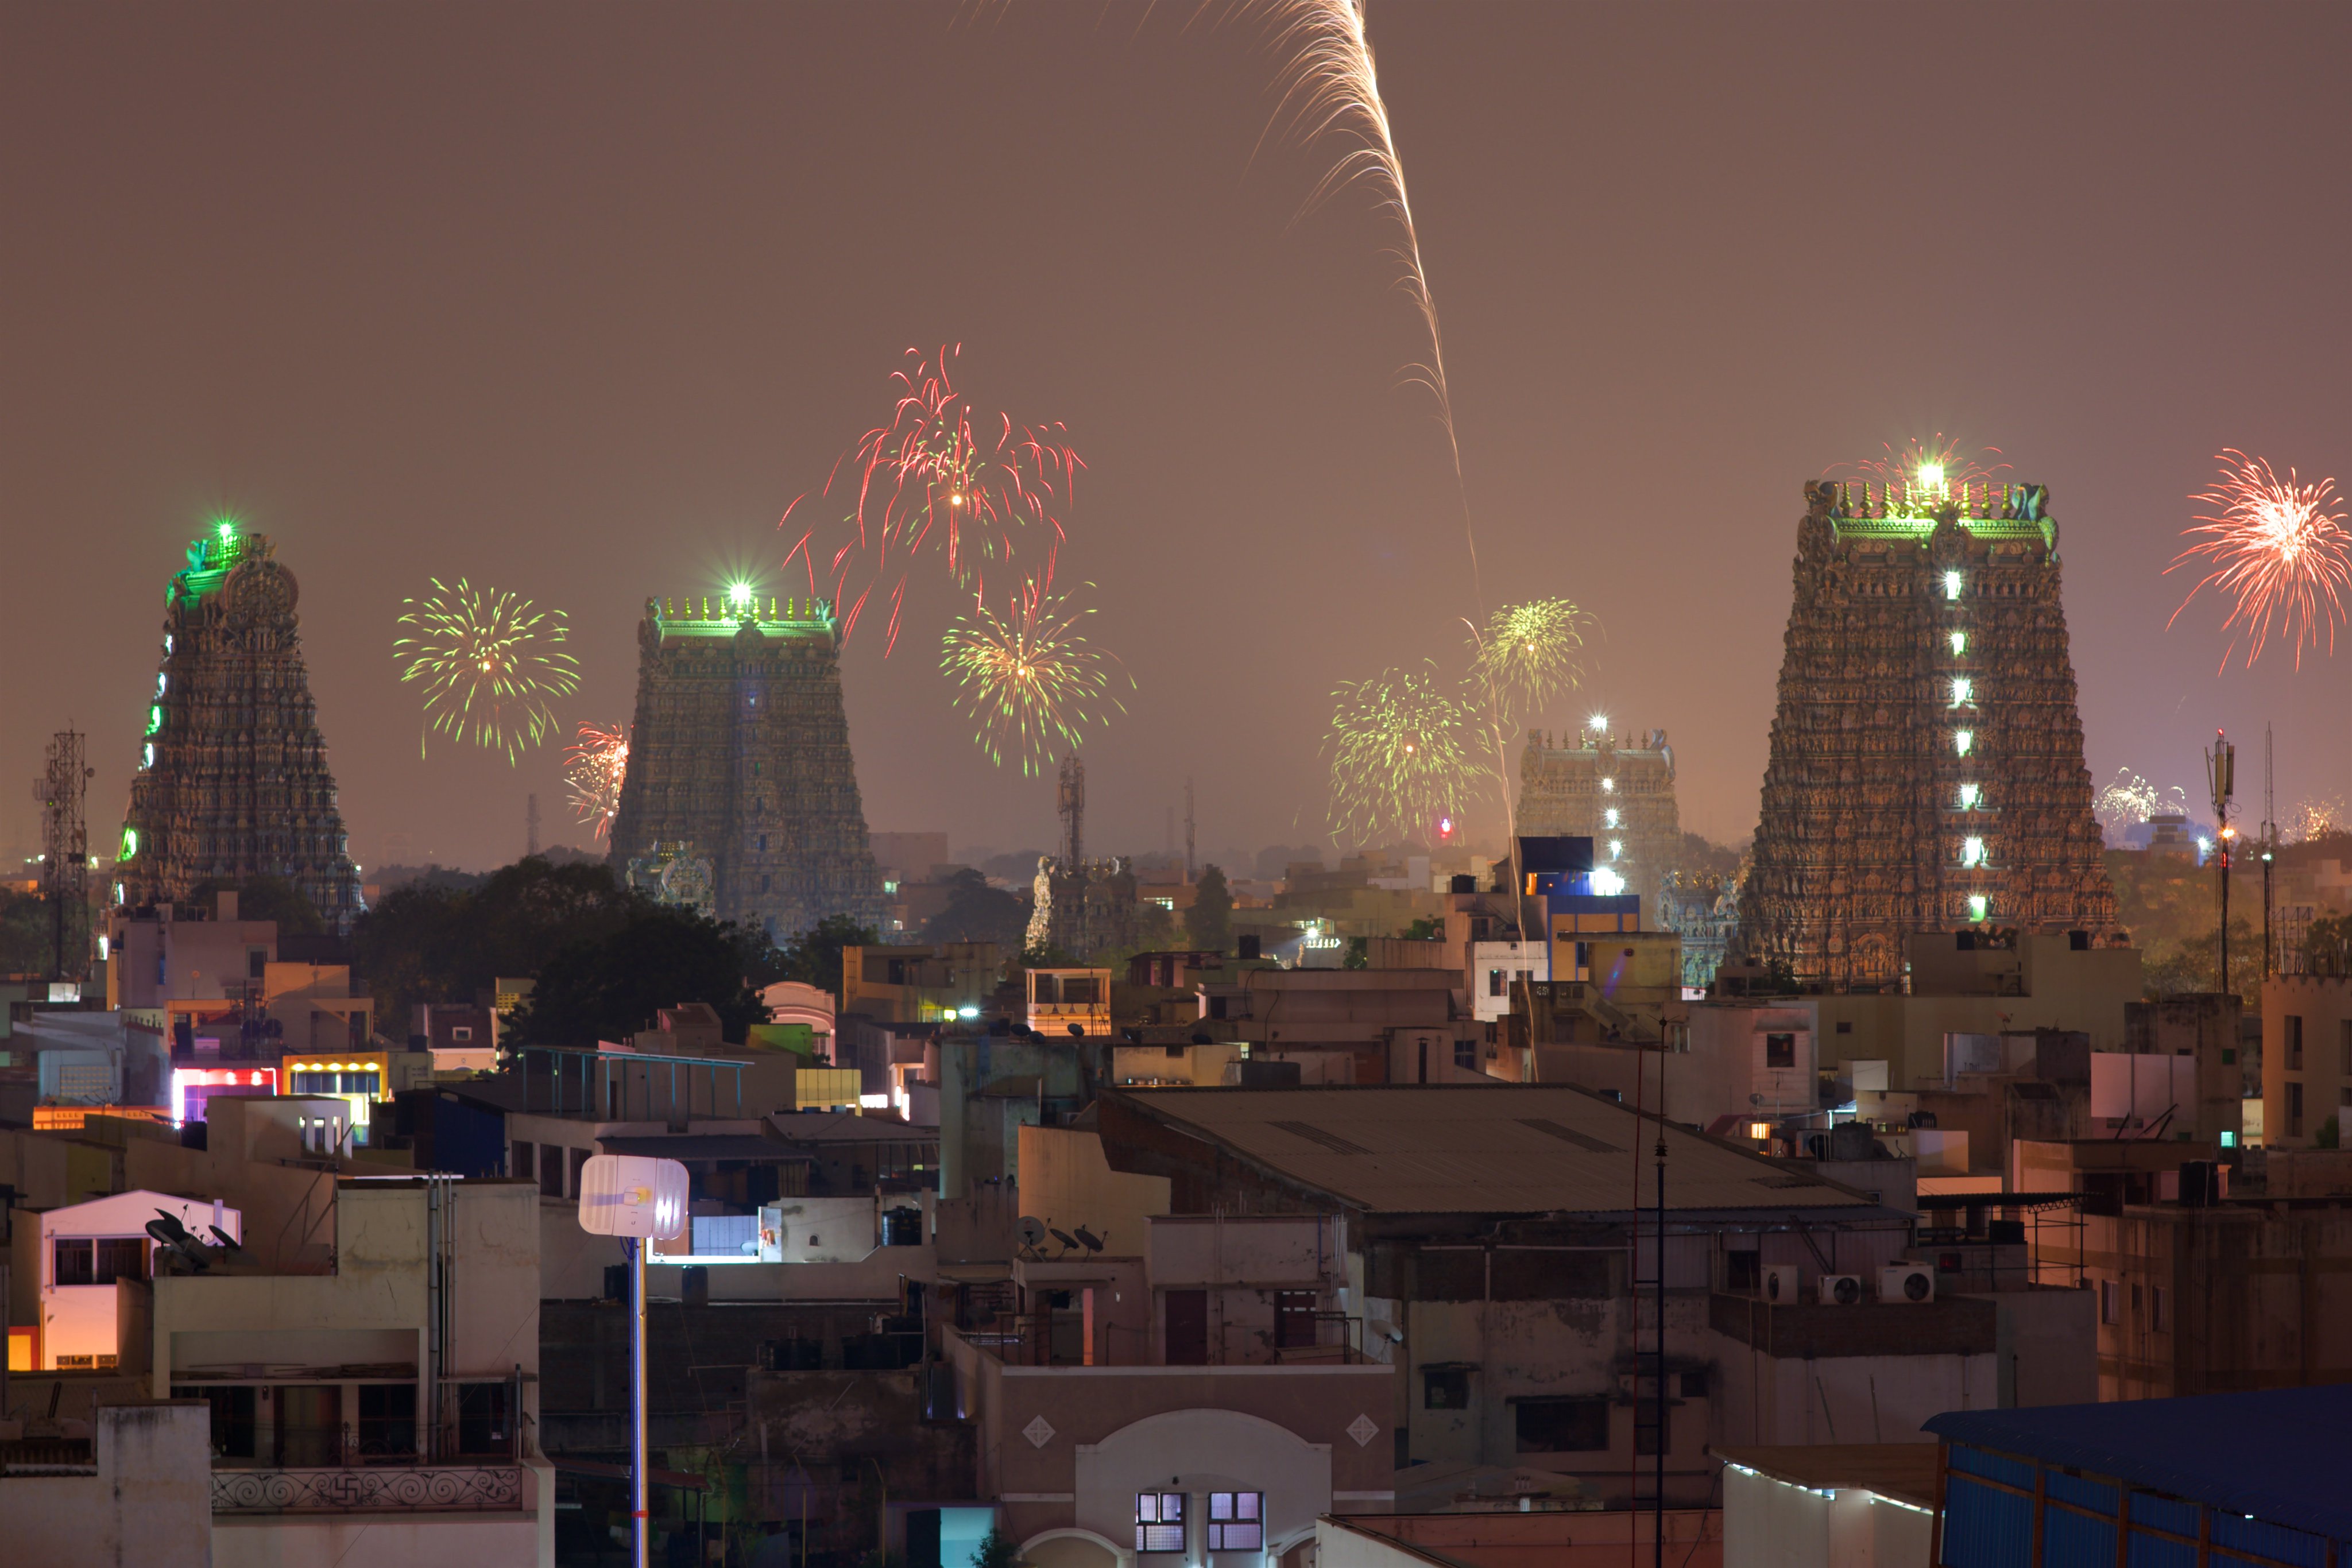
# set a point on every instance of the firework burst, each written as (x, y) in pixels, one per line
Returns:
(490, 663)
(1028, 679)
(971, 490)
(1399, 755)
(1528, 654)
(2275, 546)
(595, 765)
(2316, 819)
(2130, 799)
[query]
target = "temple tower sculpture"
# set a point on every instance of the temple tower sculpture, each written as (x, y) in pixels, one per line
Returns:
(741, 794)
(1927, 770)
(232, 781)
(1617, 792)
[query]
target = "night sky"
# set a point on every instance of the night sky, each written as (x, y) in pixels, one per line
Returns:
(574, 299)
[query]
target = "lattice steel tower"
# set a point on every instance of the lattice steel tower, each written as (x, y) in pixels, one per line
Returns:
(65, 853)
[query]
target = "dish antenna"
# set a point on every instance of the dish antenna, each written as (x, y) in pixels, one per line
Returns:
(1088, 1239)
(1031, 1233)
(1069, 1242)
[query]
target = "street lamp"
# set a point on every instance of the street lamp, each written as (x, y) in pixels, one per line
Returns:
(637, 1199)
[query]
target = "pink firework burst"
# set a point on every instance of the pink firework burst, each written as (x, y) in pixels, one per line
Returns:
(595, 766)
(2276, 549)
(970, 490)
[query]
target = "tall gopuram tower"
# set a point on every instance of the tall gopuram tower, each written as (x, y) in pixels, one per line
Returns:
(232, 781)
(741, 795)
(1927, 771)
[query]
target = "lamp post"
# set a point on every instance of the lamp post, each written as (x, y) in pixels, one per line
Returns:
(638, 1200)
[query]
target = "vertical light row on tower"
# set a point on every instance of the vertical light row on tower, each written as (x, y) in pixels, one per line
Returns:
(1968, 799)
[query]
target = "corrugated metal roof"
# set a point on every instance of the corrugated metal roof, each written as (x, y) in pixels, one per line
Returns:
(1513, 1149)
(2280, 1455)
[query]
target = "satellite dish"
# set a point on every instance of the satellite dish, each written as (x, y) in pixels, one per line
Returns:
(1079, 1031)
(1067, 1240)
(1088, 1239)
(1200, 1037)
(1030, 1231)
(223, 1239)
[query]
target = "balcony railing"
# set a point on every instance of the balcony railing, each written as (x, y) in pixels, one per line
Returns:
(483, 1488)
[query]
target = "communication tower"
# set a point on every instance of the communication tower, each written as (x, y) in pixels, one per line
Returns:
(64, 848)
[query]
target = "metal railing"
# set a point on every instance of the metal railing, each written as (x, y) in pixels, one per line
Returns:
(448, 1489)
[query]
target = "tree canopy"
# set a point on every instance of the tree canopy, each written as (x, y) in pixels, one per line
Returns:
(976, 912)
(608, 985)
(1209, 923)
(813, 957)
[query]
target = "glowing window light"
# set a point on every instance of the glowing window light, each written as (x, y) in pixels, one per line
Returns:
(147, 755)
(1959, 643)
(1931, 477)
(1608, 785)
(1608, 818)
(1963, 691)
(1963, 739)
(161, 679)
(740, 595)
(130, 843)
(1972, 851)
(1978, 906)
(1951, 585)
(1616, 848)
(1597, 722)
(154, 718)
(1969, 795)
(1605, 882)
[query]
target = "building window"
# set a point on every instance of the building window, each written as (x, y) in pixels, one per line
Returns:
(461, 1033)
(579, 1161)
(2294, 1042)
(1743, 1270)
(1653, 1429)
(101, 1262)
(1159, 1522)
(1293, 1318)
(1236, 1522)
(1445, 1388)
(387, 1419)
(2295, 1110)
(1562, 1426)
(1845, 1026)
(525, 1168)
(486, 1425)
(2159, 1310)
(1779, 1051)
(1466, 1054)
(1494, 982)
(2111, 1301)
(233, 1417)
(550, 1171)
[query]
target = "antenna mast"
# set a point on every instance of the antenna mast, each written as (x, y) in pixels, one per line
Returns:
(1188, 828)
(2270, 849)
(2221, 776)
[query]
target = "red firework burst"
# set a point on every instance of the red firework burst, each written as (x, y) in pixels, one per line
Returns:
(2276, 549)
(970, 490)
(595, 766)
(1935, 463)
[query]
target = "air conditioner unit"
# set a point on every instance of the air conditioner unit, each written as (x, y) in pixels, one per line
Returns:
(1780, 1284)
(1904, 1283)
(1840, 1290)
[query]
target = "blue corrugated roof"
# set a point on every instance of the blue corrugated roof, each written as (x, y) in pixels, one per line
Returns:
(2282, 1454)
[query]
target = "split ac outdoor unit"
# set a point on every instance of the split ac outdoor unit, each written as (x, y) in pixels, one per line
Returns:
(1840, 1290)
(1903, 1282)
(1780, 1284)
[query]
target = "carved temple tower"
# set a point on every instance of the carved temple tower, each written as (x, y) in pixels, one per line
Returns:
(232, 781)
(1927, 770)
(741, 795)
(1618, 792)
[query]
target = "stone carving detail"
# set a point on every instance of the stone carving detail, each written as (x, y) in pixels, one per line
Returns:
(1615, 791)
(1926, 657)
(233, 780)
(488, 1487)
(741, 797)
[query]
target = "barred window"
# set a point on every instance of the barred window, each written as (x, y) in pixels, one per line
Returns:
(1236, 1522)
(1159, 1522)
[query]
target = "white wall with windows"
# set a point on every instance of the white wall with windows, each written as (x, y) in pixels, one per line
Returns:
(1215, 1487)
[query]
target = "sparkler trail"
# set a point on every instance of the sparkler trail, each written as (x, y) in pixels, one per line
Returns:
(1029, 679)
(974, 491)
(2273, 545)
(1398, 763)
(595, 765)
(488, 665)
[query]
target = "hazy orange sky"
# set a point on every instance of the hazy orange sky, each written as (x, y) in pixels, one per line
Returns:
(573, 299)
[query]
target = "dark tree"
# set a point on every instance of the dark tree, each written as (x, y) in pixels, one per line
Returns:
(813, 957)
(609, 986)
(1209, 923)
(976, 912)
(263, 898)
